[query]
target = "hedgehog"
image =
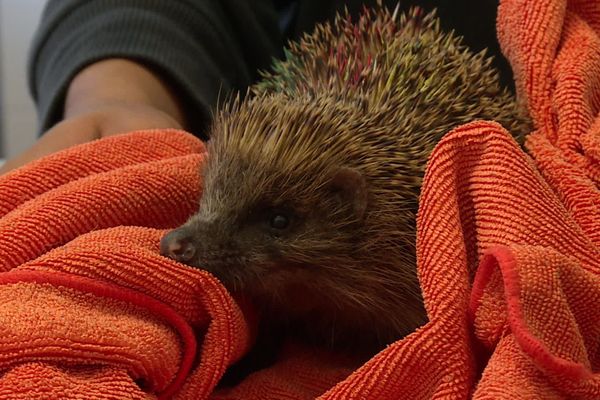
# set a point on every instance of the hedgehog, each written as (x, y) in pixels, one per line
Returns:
(312, 180)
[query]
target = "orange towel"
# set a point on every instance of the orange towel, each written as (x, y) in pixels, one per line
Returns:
(508, 252)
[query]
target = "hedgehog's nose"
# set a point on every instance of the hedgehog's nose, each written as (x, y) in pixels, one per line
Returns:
(178, 245)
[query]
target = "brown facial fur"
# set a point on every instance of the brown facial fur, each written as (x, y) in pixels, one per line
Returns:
(341, 156)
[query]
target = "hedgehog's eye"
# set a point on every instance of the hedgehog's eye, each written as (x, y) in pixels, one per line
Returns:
(279, 221)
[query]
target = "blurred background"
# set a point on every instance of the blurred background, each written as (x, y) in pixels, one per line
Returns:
(18, 121)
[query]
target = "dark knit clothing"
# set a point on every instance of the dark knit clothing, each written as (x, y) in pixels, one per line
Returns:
(203, 49)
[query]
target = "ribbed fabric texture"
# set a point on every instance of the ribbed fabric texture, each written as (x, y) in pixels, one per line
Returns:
(508, 250)
(89, 307)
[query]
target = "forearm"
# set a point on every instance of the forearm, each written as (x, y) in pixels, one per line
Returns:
(120, 82)
(202, 49)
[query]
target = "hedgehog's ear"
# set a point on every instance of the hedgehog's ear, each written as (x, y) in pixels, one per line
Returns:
(350, 186)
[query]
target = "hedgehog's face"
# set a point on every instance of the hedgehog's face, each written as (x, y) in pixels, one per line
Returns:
(264, 232)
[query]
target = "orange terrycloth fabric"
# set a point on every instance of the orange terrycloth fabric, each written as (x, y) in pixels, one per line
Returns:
(508, 248)
(88, 307)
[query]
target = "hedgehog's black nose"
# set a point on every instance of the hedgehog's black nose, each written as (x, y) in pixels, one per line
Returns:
(178, 245)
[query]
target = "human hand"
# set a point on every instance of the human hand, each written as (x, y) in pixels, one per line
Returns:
(107, 98)
(101, 122)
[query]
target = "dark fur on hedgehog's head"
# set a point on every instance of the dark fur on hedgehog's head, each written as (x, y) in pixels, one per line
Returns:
(287, 216)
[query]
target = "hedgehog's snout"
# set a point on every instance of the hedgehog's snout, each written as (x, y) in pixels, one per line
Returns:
(179, 244)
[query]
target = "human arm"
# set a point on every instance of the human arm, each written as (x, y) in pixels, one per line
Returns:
(108, 97)
(174, 58)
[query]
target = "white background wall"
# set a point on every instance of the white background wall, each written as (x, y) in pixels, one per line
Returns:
(18, 21)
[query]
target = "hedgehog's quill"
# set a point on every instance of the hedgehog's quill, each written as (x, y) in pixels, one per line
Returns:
(312, 183)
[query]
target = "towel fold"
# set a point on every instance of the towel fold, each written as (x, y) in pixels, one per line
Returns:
(508, 248)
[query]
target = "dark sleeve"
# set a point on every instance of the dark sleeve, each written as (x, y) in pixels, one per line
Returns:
(202, 48)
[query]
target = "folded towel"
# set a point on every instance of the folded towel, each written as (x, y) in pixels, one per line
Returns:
(508, 248)
(88, 306)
